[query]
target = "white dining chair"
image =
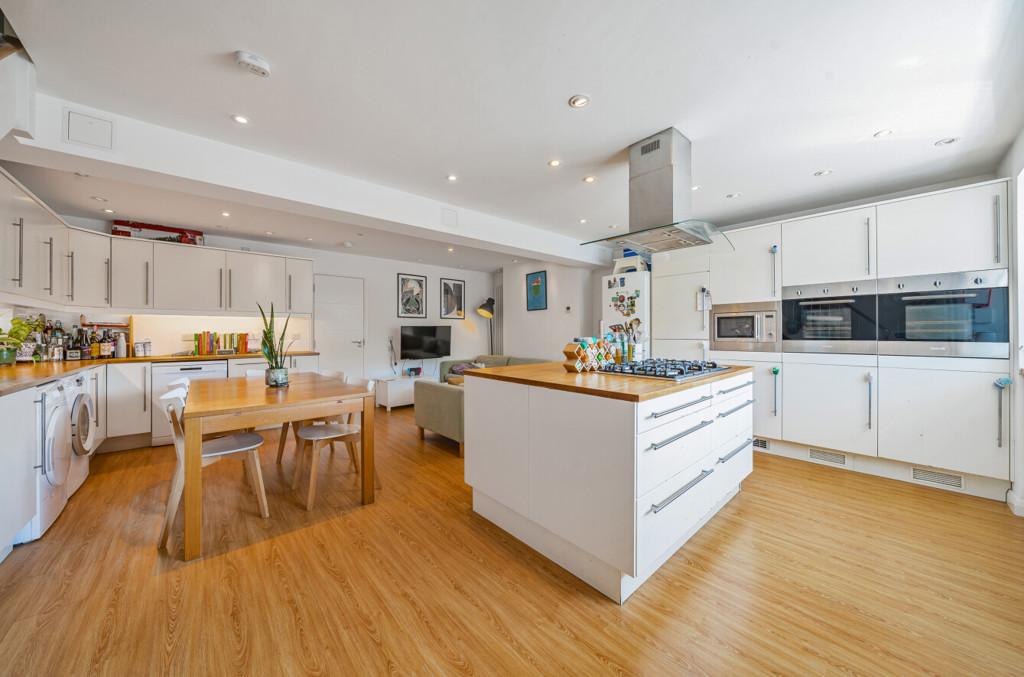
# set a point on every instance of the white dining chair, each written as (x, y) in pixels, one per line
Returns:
(182, 382)
(283, 438)
(243, 445)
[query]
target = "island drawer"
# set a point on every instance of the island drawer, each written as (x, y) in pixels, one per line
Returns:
(662, 410)
(732, 417)
(736, 387)
(668, 449)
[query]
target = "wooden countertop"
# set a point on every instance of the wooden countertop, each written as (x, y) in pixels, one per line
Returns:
(22, 375)
(618, 387)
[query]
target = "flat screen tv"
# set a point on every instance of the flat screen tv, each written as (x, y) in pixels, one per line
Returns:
(425, 343)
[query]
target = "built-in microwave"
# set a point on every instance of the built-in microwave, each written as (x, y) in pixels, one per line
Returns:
(746, 327)
(838, 317)
(949, 315)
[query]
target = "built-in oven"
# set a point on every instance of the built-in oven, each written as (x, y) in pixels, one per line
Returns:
(949, 315)
(830, 318)
(750, 327)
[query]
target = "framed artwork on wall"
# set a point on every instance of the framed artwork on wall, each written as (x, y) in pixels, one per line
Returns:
(412, 295)
(537, 290)
(453, 299)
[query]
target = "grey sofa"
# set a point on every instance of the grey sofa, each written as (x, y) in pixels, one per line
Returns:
(438, 404)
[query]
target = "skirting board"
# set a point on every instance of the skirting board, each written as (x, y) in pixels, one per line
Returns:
(975, 485)
(606, 579)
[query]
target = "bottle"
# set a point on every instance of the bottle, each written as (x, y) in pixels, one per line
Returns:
(94, 344)
(121, 348)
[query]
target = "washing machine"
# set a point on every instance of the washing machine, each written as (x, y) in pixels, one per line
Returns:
(84, 423)
(53, 445)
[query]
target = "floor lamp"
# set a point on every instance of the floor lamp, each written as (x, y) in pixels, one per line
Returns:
(486, 309)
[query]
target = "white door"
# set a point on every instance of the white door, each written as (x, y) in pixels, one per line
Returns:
(831, 406)
(960, 230)
(256, 280)
(300, 285)
(830, 248)
(128, 410)
(751, 273)
(339, 326)
(18, 476)
(131, 272)
(186, 277)
(88, 269)
(946, 419)
(674, 307)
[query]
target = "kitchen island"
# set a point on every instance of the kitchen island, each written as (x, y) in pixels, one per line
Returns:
(607, 475)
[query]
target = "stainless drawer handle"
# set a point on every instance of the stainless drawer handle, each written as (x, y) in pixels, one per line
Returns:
(658, 507)
(658, 445)
(739, 387)
(735, 409)
(659, 414)
(737, 450)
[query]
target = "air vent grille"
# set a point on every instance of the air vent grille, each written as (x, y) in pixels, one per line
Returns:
(650, 147)
(941, 478)
(827, 456)
(760, 443)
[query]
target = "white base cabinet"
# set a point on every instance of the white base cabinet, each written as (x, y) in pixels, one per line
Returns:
(128, 408)
(96, 384)
(768, 387)
(18, 476)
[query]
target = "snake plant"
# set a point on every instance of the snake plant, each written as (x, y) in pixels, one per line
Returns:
(272, 346)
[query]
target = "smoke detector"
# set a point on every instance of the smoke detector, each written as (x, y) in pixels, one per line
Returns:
(253, 63)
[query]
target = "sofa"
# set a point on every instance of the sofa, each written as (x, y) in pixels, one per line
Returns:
(438, 404)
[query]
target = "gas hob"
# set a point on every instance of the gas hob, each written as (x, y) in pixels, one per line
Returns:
(670, 370)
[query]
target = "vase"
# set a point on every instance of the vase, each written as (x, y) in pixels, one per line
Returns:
(8, 356)
(277, 378)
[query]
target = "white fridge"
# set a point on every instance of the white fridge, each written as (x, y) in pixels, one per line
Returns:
(625, 297)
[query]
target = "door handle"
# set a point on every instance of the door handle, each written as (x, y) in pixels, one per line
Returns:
(996, 218)
(870, 399)
(289, 292)
(666, 412)
(230, 289)
(775, 391)
(774, 249)
(145, 390)
(867, 223)
(20, 225)
(658, 507)
(110, 277)
(735, 409)
(723, 459)
(220, 290)
(71, 286)
(147, 282)
(358, 343)
(1001, 383)
(49, 243)
(96, 399)
(678, 436)
(735, 388)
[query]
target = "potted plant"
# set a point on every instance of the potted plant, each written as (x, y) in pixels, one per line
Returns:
(12, 339)
(273, 349)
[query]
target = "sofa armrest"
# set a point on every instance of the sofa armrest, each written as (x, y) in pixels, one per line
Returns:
(438, 408)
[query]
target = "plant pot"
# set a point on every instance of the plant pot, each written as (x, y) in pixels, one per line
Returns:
(277, 378)
(8, 356)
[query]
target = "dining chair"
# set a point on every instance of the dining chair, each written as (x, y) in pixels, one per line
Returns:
(243, 445)
(283, 438)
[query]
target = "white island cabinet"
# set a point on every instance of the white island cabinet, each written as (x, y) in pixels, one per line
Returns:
(606, 475)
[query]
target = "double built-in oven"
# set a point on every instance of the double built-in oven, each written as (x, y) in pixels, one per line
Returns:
(947, 315)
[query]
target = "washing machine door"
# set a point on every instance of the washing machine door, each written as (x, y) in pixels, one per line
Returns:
(57, 445)
(83, 430)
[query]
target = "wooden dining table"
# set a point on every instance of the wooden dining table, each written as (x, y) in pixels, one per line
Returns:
(223, 405)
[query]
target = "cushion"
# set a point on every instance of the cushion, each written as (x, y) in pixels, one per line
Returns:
(462, 367)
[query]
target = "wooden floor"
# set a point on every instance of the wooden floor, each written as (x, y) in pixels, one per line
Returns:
(809, 570)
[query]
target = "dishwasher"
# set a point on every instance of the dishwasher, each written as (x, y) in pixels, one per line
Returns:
(164, 374)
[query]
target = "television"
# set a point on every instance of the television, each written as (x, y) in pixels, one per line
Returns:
(422, 342)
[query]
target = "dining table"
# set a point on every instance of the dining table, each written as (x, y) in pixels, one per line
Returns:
(231, 404)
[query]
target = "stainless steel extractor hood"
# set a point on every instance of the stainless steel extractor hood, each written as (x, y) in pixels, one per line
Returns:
(660, 198)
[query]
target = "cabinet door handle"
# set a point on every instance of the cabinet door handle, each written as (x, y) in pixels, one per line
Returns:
(110, 277)
(659, 414)
(220, 290)
(774, 250)
(735, 409)
(49, 243)
(230, 288)
(867, 230)
(96, 399)
(658, 507)
(996, 218)
(71, 295)
(145, 390)
(735, 388)
(870, 400)
(20, 225)
(1001, 383)
(190, 368)
(289, 292)
(147, 282)
(678, 436)
(775, 391)
(723, 459)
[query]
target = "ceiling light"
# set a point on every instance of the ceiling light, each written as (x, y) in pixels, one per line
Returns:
(253, 63)
(270, 232)
(240, 119)
(420, 260)
(346, 243)
(99, 199)
(948, 141)
(730, 196)
(451, 249)
(589, 179)
(108, 210)
(583, 220)
(225, 213)
(359, 234)
(309, 239)
(578, 100)
(452, 177)
(823, 172)
(515, 260)
(554, 163)
(697, 187)
(882, 133)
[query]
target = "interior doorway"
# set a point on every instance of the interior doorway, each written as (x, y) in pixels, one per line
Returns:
(339, 324)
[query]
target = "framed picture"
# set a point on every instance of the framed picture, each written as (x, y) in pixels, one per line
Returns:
(453, 299)
(412, 295)
(537, 290)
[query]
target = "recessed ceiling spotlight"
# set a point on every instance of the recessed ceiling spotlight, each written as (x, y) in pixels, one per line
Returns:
(240, 119)
(108, 210)
(452, 177)
(82, 175)
(225, 213)
(451, 249)
(515, 260)
(589, 179)
(583, 220)
(697, 187)
(823, 172)
(554, 163)
(420, 260)
(730, 196)
(270, 232)
(360, 234)
(309, 239)
(948, 141)
(346, 243)
(99, 199)
(882, 133)
(578, 100)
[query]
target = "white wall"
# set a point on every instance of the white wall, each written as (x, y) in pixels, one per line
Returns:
(543, 333)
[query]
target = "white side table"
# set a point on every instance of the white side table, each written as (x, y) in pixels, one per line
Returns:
(397, 391)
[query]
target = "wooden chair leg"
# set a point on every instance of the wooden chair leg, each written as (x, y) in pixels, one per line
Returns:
(352, 455)
(295, 429)
(300, 458)
(173, 501)
(422, 436)
(314, 465)
(332, 447)
(283, 439)
(256, 478)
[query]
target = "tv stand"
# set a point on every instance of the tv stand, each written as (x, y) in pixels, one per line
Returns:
(397, 391)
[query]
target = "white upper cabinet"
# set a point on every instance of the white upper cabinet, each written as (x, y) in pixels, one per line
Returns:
(255, 279)
(300, 285)
(831, 248)
(12, 237)
(46, 245)
(88, 269)
(674, 311)
(131, 274)
(187, 277)
(959, 230)
(681, 261)
(753, 272)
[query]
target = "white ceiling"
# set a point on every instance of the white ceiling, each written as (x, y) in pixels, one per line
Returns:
(71, 195)
(404, 93)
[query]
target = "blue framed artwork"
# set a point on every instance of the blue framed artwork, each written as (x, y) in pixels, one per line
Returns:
(537, 290)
